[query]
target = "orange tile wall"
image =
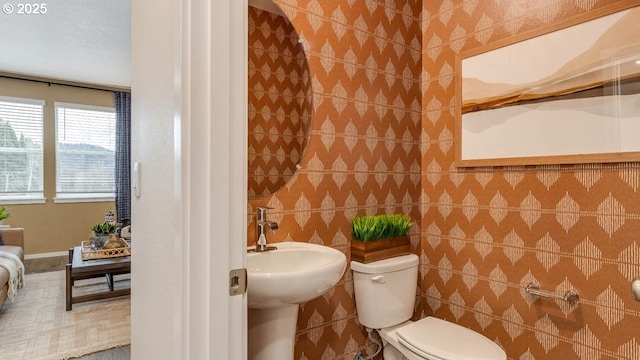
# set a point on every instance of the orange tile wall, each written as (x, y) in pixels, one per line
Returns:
(382, 141)
(363, 155)
(487, 232)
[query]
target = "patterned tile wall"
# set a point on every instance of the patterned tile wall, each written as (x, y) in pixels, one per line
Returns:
(487, 232)
(280, 101)
(363, 155)
(382, 141)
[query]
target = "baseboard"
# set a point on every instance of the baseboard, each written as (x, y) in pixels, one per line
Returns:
(46, 255)
(44, 262)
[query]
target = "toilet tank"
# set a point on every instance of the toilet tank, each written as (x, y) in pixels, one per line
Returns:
(385, 290)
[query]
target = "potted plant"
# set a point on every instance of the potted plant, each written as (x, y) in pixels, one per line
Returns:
(100, 233)
(3, 213)
(377, 237)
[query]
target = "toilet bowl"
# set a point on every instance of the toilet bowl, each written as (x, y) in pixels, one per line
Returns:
(385, 294)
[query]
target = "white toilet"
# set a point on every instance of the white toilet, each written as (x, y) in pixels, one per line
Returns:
(385, 295)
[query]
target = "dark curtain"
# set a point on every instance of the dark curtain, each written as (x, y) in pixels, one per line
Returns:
(123, 156)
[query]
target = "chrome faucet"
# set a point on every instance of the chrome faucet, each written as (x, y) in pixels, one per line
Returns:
(261, 223)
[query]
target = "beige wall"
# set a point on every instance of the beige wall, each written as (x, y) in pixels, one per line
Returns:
(54, 227)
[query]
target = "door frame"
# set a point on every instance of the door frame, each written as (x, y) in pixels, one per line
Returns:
(212, 156)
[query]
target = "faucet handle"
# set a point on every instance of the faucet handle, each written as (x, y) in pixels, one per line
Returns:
(262, 210)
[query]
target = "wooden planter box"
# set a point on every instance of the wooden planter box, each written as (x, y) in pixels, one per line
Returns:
(366, 252)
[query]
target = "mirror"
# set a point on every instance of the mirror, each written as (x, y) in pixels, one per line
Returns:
(280, 103)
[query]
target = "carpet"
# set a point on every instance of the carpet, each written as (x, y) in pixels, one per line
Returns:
(36, 326)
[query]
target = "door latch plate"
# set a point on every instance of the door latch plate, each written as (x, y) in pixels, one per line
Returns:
(237, 282)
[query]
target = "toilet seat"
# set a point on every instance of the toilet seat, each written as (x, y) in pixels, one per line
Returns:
(431, 337)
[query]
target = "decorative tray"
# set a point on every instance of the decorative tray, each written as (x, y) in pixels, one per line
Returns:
(89, 253)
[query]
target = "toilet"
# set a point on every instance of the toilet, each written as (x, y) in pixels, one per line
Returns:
(385, 293)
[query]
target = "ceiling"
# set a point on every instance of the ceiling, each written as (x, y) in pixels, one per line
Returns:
(85, 41)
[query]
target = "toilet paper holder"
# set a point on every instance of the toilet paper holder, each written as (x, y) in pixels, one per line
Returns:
(635, 288)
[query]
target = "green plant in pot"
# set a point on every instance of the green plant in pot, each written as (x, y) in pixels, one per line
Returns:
(376, 227)
(377, 237)
(3, 213)
(100, 233)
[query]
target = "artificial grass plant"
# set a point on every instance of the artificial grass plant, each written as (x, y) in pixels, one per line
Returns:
(376, 227)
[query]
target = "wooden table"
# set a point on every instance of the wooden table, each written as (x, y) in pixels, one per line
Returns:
(78, 269)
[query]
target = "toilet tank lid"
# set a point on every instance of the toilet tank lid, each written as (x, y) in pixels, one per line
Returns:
(387, 265)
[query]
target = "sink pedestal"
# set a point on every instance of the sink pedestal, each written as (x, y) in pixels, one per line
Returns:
(272, 332)
(277, 282)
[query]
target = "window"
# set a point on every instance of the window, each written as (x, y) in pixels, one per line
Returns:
(21, 150)
(85, 152)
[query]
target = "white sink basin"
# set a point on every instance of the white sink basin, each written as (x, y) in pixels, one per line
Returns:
(294, 273)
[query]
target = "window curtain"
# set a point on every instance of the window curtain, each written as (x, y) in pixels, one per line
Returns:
(123, 157)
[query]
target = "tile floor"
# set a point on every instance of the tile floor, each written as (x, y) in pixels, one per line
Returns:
(59, 263)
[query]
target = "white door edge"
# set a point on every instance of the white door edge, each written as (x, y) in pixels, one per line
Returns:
(212, 153)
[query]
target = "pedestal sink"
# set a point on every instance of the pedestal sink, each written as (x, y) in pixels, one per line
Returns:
(278, 281)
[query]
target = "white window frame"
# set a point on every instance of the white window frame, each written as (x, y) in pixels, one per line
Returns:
(35, 197)
(80, 197)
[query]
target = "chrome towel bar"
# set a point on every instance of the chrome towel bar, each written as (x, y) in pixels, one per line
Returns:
(570, 296)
